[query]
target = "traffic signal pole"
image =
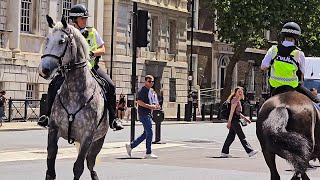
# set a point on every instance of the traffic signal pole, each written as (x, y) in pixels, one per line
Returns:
(190, 74)
(134, 70)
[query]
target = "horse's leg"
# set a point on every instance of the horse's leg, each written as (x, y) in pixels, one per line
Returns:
(92, 155)
(52, 151)
(304, 176)
(78, 166)
(296, 176)
(270, 159)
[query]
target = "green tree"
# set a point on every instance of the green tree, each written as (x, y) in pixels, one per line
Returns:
(242, 22)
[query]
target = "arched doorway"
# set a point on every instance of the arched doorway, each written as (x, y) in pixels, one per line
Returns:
(222, 69)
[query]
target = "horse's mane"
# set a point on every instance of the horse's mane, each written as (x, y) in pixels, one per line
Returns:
(77, 36)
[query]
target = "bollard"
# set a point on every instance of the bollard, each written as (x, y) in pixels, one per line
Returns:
(178, 113)
(219, 113)
(211, 112)
(194, 113)
(186, 113)
(133, 123)
(202, 112)
(251, 112)
(10, 110)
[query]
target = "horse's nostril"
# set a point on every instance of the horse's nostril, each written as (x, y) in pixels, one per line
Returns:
(46, 71)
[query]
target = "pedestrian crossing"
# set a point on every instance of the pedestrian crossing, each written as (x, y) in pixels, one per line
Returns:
(71, 152)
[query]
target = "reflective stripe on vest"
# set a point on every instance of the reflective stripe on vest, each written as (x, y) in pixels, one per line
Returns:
(283, 71)
(92, 41)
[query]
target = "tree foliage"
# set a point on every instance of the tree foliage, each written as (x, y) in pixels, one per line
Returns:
(242, 23)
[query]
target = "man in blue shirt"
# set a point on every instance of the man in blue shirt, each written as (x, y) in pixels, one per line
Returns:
(144, 111)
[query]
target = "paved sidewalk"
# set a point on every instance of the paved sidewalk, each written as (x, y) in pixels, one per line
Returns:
(32, 125)
(25, 126)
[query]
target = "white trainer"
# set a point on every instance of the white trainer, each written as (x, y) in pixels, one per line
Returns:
(150, 156)
(129, 149)
(224, 155)
(252, 153)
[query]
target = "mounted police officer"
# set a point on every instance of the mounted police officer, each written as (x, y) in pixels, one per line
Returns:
(287, 62)
(79, 15)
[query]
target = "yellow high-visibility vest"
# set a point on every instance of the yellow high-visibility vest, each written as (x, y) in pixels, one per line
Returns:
(284, 69)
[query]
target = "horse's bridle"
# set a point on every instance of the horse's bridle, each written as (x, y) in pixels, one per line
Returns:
(72, 65)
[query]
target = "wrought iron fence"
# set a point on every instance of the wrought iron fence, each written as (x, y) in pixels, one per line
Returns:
(22, 109)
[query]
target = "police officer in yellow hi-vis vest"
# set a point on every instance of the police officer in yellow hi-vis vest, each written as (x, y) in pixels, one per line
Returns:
(286, 62)
(79, 15)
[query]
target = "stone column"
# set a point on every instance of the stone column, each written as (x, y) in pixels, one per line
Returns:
(92, 13)
(14, 15)
(53, 4)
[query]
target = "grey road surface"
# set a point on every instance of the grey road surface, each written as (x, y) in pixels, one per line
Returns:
(191, 151)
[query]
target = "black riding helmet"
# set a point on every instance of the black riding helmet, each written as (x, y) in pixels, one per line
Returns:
(291, 29)
(78, 10)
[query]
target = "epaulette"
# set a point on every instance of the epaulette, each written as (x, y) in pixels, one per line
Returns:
(89, 28)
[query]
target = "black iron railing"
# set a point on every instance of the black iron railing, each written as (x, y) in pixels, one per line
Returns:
(23, 109)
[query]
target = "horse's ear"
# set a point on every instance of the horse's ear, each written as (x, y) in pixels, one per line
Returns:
(50, 21)
(64, 22)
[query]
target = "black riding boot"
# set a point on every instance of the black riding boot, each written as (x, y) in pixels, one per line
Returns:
(307, 92)
(111, 98)
(111, 105)
(54, 86)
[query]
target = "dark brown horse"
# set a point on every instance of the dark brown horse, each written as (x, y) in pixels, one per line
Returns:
(287, 126)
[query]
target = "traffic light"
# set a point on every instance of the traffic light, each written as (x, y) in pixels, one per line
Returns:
(143, 28)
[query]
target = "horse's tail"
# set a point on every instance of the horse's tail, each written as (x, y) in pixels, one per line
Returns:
(293, 147)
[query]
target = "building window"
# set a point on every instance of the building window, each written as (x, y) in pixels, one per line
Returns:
(66, 6)
(31, 91)
(222, 73)
(250, 78)
(265, 82)
(2, 86)
(172, 37)
(26, 15)
(154, 34)
(172, 90)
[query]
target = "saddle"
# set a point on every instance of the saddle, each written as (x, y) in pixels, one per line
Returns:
(282, 89)
(285, 88)
(102, 82)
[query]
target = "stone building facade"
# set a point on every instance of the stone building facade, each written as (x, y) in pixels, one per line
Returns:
(23, 29)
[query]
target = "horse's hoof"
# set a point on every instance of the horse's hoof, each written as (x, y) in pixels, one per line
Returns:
(94, 175)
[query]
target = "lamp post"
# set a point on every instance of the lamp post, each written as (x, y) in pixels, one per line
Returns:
(112, 33)
(190, 73)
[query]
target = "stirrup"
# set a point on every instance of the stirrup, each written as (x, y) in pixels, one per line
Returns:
(43, 121)
(117, 127)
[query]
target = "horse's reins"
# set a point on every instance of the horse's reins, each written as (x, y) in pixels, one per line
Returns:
(70, 66)
(64, 69)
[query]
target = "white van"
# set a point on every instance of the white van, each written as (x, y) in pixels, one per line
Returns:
(312, 74)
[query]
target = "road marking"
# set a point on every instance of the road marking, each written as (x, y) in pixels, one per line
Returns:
(71, 152)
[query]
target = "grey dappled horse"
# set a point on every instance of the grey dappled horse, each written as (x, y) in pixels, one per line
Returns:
(288, 126)
(78, 113)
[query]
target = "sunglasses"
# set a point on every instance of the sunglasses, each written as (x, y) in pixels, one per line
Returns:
(151, 81)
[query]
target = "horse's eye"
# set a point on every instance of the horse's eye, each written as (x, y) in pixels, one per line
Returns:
(61, 41)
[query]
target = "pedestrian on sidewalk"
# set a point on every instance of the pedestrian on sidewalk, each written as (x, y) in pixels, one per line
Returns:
(3, 102)
(144, 110)
(121, 107)
(234, 125)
